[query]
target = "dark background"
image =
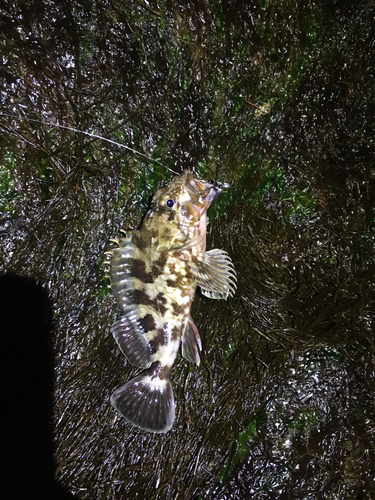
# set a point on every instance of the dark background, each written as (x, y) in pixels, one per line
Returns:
(276, 98)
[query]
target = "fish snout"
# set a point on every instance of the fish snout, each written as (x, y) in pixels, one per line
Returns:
(214, 188)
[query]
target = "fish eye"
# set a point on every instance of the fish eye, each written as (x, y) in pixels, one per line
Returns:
(167, 202)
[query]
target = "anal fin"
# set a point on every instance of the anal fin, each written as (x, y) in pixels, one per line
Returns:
(191, 342)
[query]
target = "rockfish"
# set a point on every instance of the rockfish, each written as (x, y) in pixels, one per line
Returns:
(154, 274)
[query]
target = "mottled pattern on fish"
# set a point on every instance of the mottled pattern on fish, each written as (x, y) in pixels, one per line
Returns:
(154, 274)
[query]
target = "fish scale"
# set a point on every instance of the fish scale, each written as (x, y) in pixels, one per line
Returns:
(154, 274)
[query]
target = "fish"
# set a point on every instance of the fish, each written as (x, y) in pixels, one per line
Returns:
(154, 273)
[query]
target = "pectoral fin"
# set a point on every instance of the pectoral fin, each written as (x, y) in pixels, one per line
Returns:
(215, 274)
(191, 342)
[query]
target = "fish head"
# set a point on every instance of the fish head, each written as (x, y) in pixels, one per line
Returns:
(177, 218)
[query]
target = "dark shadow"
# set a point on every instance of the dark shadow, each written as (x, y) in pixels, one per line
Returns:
(26, 384)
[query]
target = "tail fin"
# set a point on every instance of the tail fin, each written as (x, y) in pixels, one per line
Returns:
(146, 401)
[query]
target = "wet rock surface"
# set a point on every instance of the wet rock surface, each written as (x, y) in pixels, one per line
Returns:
(276, 98)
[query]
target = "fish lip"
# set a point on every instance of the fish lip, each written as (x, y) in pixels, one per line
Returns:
(203, 192)
(215, 188)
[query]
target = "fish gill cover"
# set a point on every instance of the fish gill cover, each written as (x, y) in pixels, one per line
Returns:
(275, 98)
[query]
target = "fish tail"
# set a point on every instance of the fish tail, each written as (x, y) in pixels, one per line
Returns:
(147, 400)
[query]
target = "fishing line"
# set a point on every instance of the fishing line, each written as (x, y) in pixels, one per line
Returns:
(95, 136)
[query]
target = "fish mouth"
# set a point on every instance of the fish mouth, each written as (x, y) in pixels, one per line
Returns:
(212, 189)
(203, 192)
